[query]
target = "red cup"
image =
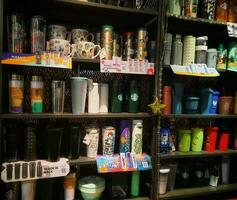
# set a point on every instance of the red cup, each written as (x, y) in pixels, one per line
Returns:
(224, 141)
(166, 99)
(211, 137)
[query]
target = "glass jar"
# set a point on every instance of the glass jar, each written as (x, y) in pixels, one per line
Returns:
(36, 94)
(16, 93)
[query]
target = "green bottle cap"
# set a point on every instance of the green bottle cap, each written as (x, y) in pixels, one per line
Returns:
(107, 26)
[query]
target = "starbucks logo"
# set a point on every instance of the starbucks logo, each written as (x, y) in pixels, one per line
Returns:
(134, 97)
(120, 97)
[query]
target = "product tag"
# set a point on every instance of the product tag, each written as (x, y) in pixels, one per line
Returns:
(232, 29)
(102, 53)
(214, 181)
(87, 139)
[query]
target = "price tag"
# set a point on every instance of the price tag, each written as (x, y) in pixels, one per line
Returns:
(232, 29)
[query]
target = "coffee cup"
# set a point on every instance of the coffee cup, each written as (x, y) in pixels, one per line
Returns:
(86, 50)
(57, 32)
(79, 35)
(61, 46)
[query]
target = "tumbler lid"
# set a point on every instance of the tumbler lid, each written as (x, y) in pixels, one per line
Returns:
(36, 78)
(91, 182)
(16, 77)
(164, 171)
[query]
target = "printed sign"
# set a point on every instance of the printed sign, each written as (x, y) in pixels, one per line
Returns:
(37, 169)
(55, 60)
(123, 162)
(117, 65)
(195, 70)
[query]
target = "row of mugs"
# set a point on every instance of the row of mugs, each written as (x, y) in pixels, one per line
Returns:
(76, 35)
(81, 49)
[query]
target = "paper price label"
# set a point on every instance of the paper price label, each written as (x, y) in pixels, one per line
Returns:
(232, 29)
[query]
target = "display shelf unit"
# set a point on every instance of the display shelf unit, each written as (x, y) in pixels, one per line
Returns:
(200, 116)
(74, 116)
(91, 16)
(199, 191)
(202, 154)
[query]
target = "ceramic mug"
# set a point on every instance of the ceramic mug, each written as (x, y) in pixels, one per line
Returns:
(61, 46)
(87, 50)
(79, 35)
(57, 32)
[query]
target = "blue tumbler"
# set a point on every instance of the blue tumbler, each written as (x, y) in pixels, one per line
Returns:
(177, 98)
(206, 100)
(214, 102)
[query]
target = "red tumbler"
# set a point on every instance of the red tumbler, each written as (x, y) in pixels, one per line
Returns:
(166, 99)
(211, 137)
(224, 141)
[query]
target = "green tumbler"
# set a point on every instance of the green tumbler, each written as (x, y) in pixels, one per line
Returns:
(117, 97)
(197, 139)
(133, 97)
(184, 140)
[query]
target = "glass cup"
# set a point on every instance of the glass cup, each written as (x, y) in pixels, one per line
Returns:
(58, 95)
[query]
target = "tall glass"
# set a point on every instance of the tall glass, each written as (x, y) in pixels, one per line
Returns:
(58, 96)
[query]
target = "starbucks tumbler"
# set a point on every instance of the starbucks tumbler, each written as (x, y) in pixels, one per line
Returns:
(133, 99)
(177, 98)
(116, 97)
(94, 98)
(54, 139)
(79, 91)
(184, 140)
(211, 136)
(58, 95)
(104, 97)
(163, 180)
(172, 176)
(108, 134)
(74, 142)
(224, 141)
(197, 139)
(166, 99)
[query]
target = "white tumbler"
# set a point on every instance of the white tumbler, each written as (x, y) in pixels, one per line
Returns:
(225, 168)
(104, 97)
(94, 98)
(78, 91)
(163, 180)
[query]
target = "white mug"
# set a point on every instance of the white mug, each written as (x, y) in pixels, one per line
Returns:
(79, 35)
(87, 50)
(61, 46)
(57, 32)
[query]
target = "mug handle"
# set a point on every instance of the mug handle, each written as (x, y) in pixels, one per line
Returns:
(92, 37)
(98, 53)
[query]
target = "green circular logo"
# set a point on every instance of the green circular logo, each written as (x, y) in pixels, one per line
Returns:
(134, 97)
(120, 97)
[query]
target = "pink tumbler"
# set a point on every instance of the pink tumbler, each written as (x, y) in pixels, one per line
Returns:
(166, 99)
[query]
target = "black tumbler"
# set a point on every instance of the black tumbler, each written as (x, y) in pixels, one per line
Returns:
(30, 144)
(11, 142)
(74, 142)
(54, 139)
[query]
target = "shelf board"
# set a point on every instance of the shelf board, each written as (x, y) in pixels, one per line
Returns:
(190, 154)
(199, 191)
(73, 116)
(196, 20)
(199, 116)
(82, 160)
(138, 198)
(88, 61)
(106, 7)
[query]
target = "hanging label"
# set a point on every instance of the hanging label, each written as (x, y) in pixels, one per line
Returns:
(195, 70)
(123, 162)
(232, 29)
(37, 169)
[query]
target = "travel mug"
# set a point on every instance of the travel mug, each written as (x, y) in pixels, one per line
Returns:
(211, 137)
(197, 139)
(172, 176)
(69, 186)
(58, 95)
(206, 100)
(225, 169)
(74, 142)
(108, 134)
(224, 141)
(104, 97)
(94, 98)
(54, 139)
(133, 99)
(163, 180)
(184, 139)
(177, 98)
(11, 141)
(226, 105)
(92, 148)
(28, 190)
(167, 99)
(125, 136)
(78, 91)
(116, 97)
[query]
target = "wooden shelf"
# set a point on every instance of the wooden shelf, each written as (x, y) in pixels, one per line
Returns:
(177, 154)
(83, 161)
(88, 61)
(73, 116)
(107, 7)
(200, 116)
(199, 191)
(196, 20)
